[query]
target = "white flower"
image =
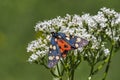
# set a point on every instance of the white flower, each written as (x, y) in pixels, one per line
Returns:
(34, 45)
(68, 17)
(88, 19)
(48, 37)
(100, 19)
(42, 26)
(103, 25)
(41, 53)
(116, 38)
(76, 21)
(39, 49)
(30, 60)
(108, 11)
(75, 52)
(117, 21)
(89, 78)
(80, 49)
(33, 57)
(107, 52)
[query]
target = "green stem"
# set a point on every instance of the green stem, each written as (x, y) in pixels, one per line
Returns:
(91, 71)
(57, 72)
(72, 75)
(72, 67)
(108, 64)
(58, 69)
(100, 66)
(92, 66)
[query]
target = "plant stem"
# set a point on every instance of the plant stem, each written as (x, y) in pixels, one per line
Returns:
(72, 75)
(108, 64)
(58, 69)
(91, 72)
(92, 66)
(57, 72)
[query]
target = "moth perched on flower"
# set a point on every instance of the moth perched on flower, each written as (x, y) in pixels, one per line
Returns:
(69, 36)
(60, 45)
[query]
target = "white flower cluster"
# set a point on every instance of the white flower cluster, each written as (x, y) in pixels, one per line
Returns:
(85, 26)
(39, 48)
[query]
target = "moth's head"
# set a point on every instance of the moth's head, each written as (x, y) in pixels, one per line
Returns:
(54, 34)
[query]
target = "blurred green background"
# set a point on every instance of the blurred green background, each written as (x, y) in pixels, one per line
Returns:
(17, 21)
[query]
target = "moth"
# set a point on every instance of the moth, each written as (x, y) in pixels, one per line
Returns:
(60, 45)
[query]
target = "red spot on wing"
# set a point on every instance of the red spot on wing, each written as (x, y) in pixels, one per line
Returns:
(64, 46)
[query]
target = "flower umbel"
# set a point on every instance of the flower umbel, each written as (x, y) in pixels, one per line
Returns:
(102, 31)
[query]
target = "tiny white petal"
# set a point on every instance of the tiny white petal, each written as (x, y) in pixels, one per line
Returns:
(107, 52)
(34, 56)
